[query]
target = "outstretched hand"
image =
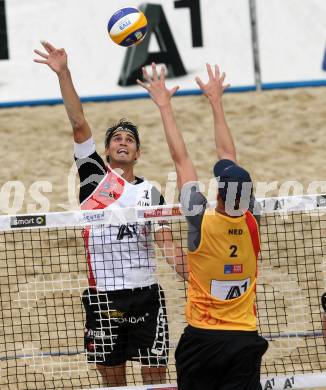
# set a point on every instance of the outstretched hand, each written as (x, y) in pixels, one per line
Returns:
(156, 87)
(215, 87)
(56, 59)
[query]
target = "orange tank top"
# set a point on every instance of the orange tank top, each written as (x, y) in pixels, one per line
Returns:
(222, 273)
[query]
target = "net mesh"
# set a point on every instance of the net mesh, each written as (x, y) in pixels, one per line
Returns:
(290, 285)
(43, 276)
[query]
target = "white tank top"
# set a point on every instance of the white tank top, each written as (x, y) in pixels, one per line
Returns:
(120, 256)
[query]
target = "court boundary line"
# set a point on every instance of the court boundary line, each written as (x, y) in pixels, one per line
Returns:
(188, 92)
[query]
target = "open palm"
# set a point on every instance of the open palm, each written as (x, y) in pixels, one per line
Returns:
(56, 59)
(214, 88)
(156, 87)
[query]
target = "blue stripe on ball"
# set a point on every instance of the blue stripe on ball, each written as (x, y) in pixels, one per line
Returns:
(119, 14)
(131, 39)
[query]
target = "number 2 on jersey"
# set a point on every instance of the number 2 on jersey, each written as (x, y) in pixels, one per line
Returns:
(233, 249)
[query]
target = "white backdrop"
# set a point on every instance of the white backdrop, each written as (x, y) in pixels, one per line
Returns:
(292, 43)
(292, 37)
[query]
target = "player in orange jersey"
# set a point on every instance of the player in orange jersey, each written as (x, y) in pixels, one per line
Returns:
(220, 348)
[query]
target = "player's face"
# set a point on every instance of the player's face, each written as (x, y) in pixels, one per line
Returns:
(122, 148)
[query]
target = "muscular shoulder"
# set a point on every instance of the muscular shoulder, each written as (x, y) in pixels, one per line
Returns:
(193, 204)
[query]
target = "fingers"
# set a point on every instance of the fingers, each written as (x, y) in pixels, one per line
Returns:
(155, 77)
(217, 72)
(162, 74)
(226, 87)
(199, 82)
(156, 82)
(154, 72)
(41, 61)
(146, 75)
(209, 71)
(142, 84)
(47, 46)
(174, 90)
(41, 54)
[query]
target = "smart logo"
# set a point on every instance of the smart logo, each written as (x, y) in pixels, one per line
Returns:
(24, 221)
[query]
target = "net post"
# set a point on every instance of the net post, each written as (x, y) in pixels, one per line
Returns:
(255, 43)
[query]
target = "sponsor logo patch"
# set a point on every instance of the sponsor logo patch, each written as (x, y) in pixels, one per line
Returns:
(107, 194)
(27, 221)
(122, 318)
(168, 212)
(91, 217)
(95, 333)
(233, 269)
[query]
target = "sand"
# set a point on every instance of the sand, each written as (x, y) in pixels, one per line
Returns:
(279, 137)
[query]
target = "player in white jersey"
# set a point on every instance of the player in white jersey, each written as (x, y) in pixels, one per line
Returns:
(125, 307)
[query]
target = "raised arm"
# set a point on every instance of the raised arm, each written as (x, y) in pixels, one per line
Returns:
(57, 60)
(213, 90)
(161, 96)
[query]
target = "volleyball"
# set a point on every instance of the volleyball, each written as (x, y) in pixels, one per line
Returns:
(127, 26)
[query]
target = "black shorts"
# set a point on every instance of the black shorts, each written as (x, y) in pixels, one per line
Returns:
(217, 359)
(126, 325)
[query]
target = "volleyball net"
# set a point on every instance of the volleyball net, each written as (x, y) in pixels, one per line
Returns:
(44, 276)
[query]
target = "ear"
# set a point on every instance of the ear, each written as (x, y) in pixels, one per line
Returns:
(219, 199)
(107, 157)
(137, 155)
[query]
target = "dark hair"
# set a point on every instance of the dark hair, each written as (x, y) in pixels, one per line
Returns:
(124, 124)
